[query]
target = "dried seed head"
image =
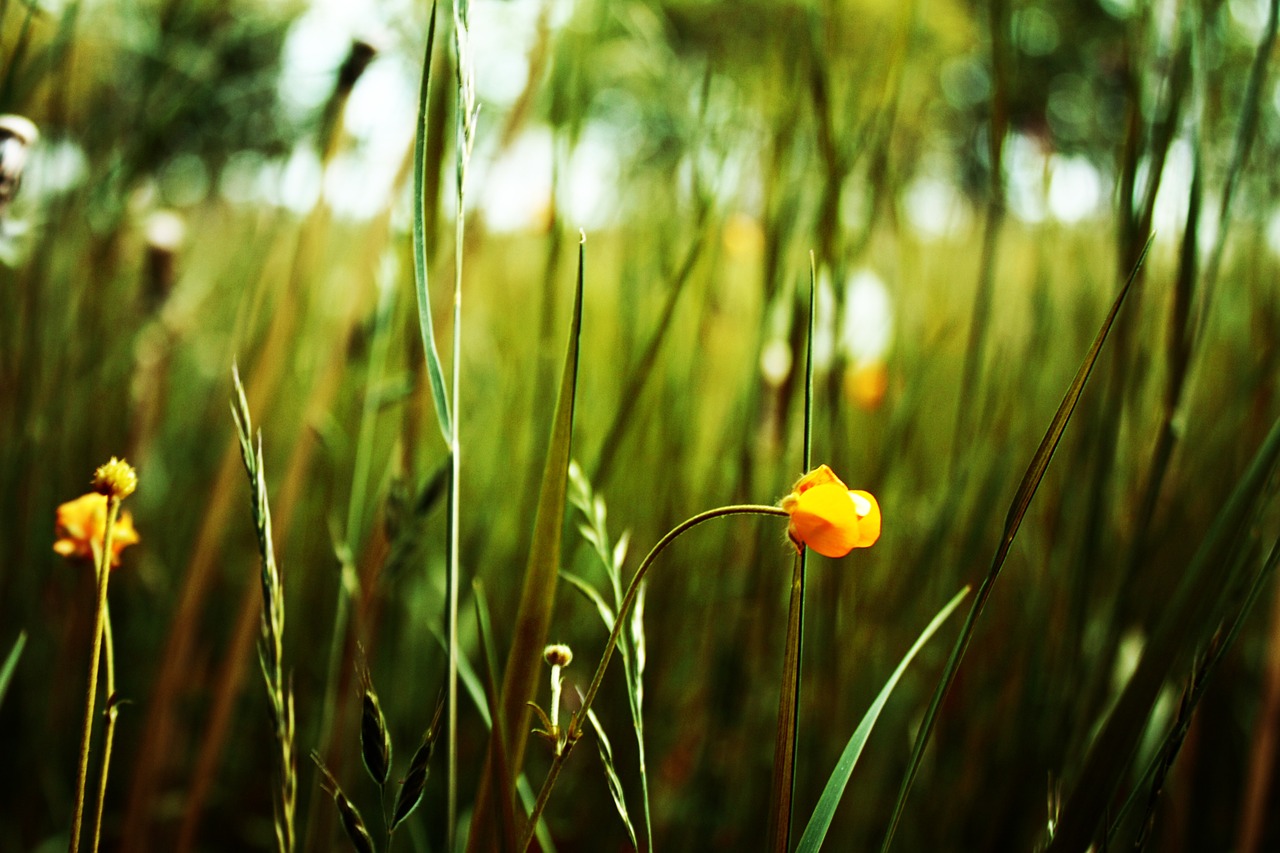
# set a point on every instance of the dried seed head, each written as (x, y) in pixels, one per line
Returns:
(558, 655)
(415, 781)
(348, 814)
(375, 739)
(353, 824)
(115, 479)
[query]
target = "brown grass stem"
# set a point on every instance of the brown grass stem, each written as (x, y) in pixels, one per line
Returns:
(620, 620)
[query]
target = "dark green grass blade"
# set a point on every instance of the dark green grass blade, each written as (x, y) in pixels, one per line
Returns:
(784, 755)
(1186, 620)
(633, 388)
(1164, 757)
(533, 619)
(785, 739)
(434, 372)
(501, 770)
(537, 596)
(11, 663)
(1021, 500)
(820, 822)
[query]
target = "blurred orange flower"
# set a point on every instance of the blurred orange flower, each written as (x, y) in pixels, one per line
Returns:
(81, 523)
(829, 517)
(866, 382)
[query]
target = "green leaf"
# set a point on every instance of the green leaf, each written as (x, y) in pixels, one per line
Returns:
(11, 663)
(1017, 509)
(498, 753)
(538, 593)
(434, 372)
(820, 821)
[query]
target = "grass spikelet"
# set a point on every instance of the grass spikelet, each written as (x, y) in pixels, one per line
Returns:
(271, 641)
(375, 739)
(348, 814)
(415, 780)
(611, 773)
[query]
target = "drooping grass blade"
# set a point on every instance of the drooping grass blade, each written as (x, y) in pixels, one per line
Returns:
(1021, 501)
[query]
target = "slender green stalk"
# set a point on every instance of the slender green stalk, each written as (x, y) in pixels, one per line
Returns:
(91, 692)
(620, 620)
(466, 127)
(109, 665)
(787, 738)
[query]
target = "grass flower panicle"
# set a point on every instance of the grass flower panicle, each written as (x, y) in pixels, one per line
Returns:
(828, 516)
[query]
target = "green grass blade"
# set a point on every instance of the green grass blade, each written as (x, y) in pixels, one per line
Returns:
(501, 769)
(538, 593)
(471, 682)
(820, 821)
(1021, 501)
(533, 619)
(1162, 761)
(1186, 621)
(11, 663)
(434, 371)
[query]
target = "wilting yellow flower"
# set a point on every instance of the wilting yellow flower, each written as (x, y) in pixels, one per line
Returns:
(81, 523)
(829, 517)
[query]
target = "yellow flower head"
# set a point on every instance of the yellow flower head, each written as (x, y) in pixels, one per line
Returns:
(81, 523)
(829, 517)
(116, 478)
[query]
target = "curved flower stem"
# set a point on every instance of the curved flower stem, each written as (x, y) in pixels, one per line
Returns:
(91, 694)
(574, 730)
(109, 666)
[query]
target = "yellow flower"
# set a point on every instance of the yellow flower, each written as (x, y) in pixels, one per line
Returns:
(829, 517)
(81, 523)
(116, 478)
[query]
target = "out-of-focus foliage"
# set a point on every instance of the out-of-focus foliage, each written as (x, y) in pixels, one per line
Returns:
(735, 137)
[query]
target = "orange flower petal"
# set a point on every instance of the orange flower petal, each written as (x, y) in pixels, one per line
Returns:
(829, 517)
(81, 523)
(820, 476)
(868, 509)
(825, 518)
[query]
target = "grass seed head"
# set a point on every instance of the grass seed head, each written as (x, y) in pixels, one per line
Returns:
(375, 739)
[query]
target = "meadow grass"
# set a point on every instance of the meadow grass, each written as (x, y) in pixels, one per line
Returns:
(1134, 579)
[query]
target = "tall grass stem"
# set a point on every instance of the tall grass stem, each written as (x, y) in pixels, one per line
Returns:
(91, 691)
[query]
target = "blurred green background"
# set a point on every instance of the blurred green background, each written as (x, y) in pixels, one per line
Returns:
(222, 182)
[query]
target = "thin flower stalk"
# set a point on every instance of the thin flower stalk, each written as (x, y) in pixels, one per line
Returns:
(111, 712)
(575, 727)
(467, 112)
(116, 480)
